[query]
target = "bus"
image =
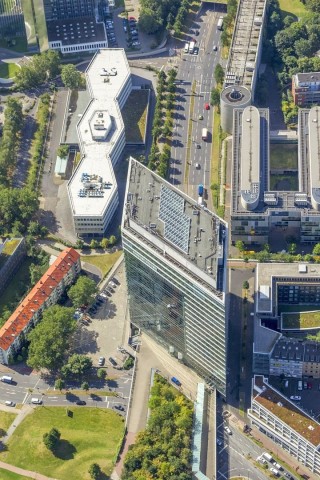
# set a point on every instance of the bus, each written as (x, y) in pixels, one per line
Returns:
(191, 47)
(205, 134)
(220, 23)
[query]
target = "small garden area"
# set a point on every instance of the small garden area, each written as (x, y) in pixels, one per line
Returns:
(299, 320)
(8, 70)
(88, 435)
(134, 115)
(103, 262)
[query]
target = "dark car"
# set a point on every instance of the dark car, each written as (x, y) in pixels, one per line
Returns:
(119, 407)
(113, 362)
(196, 33)
(81, 402)
(115, 280)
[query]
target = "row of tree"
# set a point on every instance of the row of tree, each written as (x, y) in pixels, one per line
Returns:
(179, 21)
(163, 449)
(228, 21)
(163, 122)
(13, 121)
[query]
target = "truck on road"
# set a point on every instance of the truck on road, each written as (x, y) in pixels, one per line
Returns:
(220, 23)
(204, 134)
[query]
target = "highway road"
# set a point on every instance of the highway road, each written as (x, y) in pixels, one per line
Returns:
(195, 72)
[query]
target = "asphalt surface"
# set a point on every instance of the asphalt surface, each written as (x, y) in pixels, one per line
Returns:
(195, 73)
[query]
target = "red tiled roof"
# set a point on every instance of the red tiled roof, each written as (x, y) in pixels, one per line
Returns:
(38, 295)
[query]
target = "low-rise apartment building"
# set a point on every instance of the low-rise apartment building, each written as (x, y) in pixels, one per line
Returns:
(306, 89)
(44, 294)
(286, 424)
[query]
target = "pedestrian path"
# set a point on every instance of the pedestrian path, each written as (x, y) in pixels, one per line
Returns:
(25, 410)
(26, 473)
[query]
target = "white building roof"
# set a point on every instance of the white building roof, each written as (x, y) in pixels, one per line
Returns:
(106, 75)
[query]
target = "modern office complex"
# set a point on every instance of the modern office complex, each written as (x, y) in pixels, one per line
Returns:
(286, 424)
(306, 89)
(257, 211)
(92, 189)
(287, 300)
(43, 295)
(11, 19)
(175, 258)
(244, 60)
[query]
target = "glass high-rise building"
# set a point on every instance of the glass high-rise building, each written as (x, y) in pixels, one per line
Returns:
(11, 19)
(175, 259)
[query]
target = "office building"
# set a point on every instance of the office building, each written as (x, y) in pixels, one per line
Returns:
(66, 9)
(44, 294)
(286, 424)
(296, 358)
(11, 19)
(92, 189)
(175, 259)
(306, 89)
(287, 299)
(244, 60)
(257, 211)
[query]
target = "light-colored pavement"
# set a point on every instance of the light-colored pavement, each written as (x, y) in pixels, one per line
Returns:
(26, 473)
(22, 413)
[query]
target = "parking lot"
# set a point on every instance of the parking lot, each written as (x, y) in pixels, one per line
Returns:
(308, 398)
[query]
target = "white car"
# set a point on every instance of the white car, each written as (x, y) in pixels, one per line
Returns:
(296, 398)
(228, 430)
(262, 460)
(274, 471)
(103, 295)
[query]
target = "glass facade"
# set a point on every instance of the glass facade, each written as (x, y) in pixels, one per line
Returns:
(11, 19)
(183, 315)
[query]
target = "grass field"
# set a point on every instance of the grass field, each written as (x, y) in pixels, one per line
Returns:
(292, 6)
(301, 320)
(284, 183)
(8, 70)
(283, 156)
(103, 262)
(135, 116)
(90, 435)
(6, 475)
(6, 419)
(17, 286)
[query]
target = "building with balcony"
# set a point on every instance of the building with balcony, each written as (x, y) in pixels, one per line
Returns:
(92, 189)
(286, 424)
(306, 89)
(175, 259)
(256, 210)
(44, 294)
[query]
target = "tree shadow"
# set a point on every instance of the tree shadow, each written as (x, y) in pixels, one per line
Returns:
(71, 397)
(64, 450)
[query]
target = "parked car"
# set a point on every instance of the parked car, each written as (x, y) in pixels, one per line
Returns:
(113, 362)
(219, 442)
(274, 472)
(196, 33)
(113, 285)
(115, 280)
(101, 361)
(119, 407)
(228, 430)
(81, 402)
(296, 398)
(8, 403)
(196, 51)
(103, 295)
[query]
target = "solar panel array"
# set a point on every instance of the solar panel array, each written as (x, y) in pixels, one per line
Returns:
(176, 223)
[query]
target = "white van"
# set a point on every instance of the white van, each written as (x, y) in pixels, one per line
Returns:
(6, 379)
(267, 456)
(300, 385)
(186, 48)
(36, 401)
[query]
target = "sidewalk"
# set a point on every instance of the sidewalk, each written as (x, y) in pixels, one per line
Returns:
(25, 410)
(26, 473)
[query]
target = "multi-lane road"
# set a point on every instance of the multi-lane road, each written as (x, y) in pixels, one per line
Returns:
(195, 76)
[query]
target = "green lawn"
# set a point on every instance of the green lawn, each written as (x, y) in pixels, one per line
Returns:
(103, 262)
(301, 320)
(6, 419)
(283, 156)
(6, 475)
(134, 115)
(16, 288)
(90, 435)
(8, 70)
(284, 183)
(295, 7)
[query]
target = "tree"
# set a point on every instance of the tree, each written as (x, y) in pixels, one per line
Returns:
(313, 5)
(245, 285)
(63, 151)
(94, 243)
(112, 240)
(71, 77)
(219, 74)
(49, 340)
(215, 97)
(94, 471)
(51, 439)
(59, 384)
(104, 243)
(240, 246)
(85, 386)
(316, 249)
(101, 373)
(78, 365)
(82, 291)
(79, 243)
(149, 22)
(314, 338)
